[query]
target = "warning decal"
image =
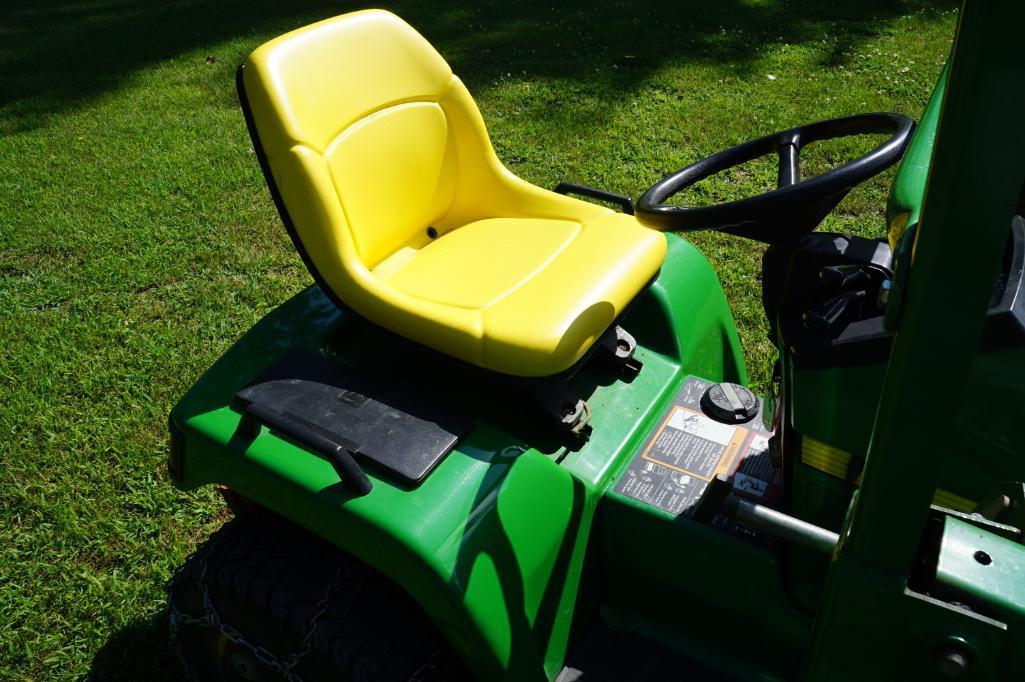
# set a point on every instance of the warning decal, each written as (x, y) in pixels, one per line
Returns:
(688, 449)
(691, 443)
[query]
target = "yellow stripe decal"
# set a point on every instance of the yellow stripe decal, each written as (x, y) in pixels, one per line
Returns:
(835, 461)
(825, 458)
(945, 498)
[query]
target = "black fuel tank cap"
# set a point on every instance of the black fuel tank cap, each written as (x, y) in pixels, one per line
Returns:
(729, 403)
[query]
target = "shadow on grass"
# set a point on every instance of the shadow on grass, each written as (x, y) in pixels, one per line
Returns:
(58, 55)
(138, 651)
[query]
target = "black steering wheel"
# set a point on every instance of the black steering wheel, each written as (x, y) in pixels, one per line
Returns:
(797, 207)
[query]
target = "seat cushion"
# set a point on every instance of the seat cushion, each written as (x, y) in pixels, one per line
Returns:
(476, 265)
(543, 290)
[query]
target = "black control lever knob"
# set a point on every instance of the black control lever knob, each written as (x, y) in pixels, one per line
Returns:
(826, 315)
(843, 276)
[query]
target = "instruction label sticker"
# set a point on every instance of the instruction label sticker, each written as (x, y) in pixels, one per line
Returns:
(691, 443)
(688, 449)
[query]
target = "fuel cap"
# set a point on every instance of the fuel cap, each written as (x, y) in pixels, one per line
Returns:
(729, 403)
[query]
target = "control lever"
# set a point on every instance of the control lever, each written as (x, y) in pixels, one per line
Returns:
(844, 277)
(824, 316)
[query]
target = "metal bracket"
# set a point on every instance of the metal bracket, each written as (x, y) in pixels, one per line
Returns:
(617, 347)
(569, 411)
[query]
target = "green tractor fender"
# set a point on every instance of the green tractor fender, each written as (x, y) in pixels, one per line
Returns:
(494, 543)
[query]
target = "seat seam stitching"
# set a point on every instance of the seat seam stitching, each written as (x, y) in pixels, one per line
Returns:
(537, 270)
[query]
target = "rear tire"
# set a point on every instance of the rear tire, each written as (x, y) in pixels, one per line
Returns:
(267, 578)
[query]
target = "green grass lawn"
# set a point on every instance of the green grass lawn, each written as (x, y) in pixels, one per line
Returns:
(137, 239)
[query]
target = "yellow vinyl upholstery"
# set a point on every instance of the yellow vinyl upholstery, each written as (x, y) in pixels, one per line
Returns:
(387, 174)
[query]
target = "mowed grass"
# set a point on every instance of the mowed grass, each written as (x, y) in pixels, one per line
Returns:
(137, 239)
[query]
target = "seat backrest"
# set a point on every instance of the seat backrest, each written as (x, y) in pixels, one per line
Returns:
(348, 114)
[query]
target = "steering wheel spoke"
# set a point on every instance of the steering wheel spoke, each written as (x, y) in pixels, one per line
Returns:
(789, 162)
(796, 206)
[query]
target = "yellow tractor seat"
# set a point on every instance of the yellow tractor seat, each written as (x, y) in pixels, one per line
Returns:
(382, 169)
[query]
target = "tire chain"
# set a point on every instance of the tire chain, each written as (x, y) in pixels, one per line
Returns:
(212, 619)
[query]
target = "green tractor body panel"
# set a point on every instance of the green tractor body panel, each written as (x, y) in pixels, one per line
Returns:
(907, 193)
(908, 189)
(498, 543)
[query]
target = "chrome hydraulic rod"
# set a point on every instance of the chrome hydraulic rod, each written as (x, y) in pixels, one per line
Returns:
(779, 524)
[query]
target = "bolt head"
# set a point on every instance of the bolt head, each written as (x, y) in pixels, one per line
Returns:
(954, 658)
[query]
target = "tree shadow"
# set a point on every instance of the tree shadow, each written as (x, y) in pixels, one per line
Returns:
(138, 651)
(60, 55)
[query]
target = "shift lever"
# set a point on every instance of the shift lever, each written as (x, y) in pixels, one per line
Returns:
(843, 277)
(826, 315)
